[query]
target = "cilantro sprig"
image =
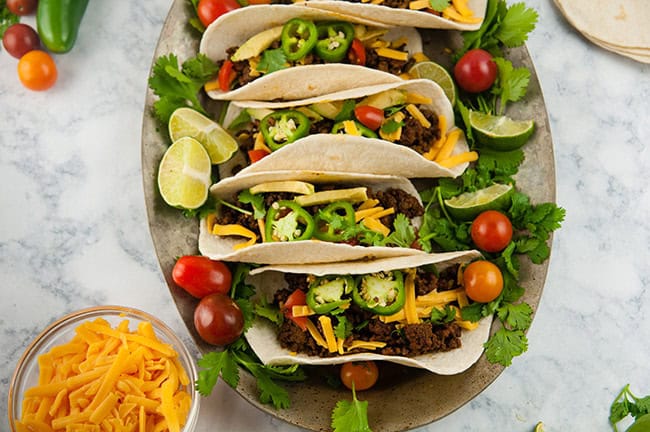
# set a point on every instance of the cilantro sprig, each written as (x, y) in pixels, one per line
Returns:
(351, 415)
(628, 404)
(7, 18)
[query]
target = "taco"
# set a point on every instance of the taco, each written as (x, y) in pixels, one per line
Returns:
(292, 52)
(458, 15)
(404, 310)
(296, 217)
(402, 129)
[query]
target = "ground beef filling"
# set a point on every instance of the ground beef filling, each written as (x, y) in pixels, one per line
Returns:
(398, 4)
(407, 340)
(416, 136)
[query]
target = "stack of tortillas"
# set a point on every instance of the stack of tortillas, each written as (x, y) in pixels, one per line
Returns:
(621, 26)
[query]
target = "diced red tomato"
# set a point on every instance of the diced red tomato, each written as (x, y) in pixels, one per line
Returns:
(357, 53)
(255, 155)
(226, 75)
(297, 298)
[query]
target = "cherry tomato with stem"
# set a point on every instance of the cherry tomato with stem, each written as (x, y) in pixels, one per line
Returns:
(19, 39)
(37, 70)
(483, 281)
(491, 231)
(210, 10)
(22, 7)
(476, 71)
(200, 276)
(369, 116)
(362, 374)
(357, 53)
(218, 319)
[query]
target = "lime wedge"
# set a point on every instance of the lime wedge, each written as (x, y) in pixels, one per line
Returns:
(500, 132)
(539, 427)
(437, 74)
(186, 122)
(468, 205)
(184, 174)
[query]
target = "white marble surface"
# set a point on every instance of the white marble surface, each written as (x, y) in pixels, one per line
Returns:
(73, 228)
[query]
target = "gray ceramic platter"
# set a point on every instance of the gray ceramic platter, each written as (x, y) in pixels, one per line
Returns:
(312, 401)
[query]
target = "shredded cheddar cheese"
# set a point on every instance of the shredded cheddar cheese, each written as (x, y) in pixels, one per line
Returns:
(448, 146)
(108, 379)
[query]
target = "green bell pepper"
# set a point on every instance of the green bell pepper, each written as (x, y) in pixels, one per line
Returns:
(298, 38)
(330, 216)
(288, 221)
(382, 293)
(365, 131)
(334, 40)
(326, 295)
(58, 23)
(283, 127)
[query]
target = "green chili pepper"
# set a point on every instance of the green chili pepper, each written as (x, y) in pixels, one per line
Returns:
(330, 216)
(283, 127)
(382, 293)
(58, 23)
(334, 40)
(366, 132)
(287, 221)
(326, 295)
(299, 37)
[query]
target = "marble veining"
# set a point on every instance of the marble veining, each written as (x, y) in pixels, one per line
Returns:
(74, 232)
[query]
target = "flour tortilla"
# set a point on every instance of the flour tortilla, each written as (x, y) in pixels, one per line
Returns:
(347, 153)
(262, 336)
(401, 17)
(622, 23)
(298, 82)
(304, 251)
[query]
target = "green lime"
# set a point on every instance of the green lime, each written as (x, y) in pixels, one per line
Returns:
(186, 122)
(468, 205)
(184, 174)
(437, 74)
(500, 132)
(539, 427)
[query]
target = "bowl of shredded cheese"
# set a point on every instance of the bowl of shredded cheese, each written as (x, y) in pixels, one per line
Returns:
(105, 368)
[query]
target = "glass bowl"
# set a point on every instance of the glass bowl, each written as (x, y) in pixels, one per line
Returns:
(63, 330)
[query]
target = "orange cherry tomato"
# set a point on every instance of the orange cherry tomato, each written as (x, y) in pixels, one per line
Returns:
(483, 281)
(37, 70)
(363, 374)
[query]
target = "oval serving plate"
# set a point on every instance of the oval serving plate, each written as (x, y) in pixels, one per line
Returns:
(312, 401)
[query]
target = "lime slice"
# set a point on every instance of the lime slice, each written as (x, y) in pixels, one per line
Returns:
(186, 122)
(500, 132)
(468, 205)
(539, 427)
(437, 74)
(184, 174)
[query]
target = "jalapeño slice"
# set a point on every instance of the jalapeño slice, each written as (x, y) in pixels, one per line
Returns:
(288, 221)
(332, 220)
(283, 127)
(334, 40)
(382, 293)
(298, 38)
(326, 294)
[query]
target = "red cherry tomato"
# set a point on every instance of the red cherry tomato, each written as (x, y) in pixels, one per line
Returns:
(200, 276)
(226, 76)
(218, 319)
(476, 71)
(210, 10)
(255, 155)
(37, 70)
(19, 39)
(297, 298)
(363, 374)
(491, 231)
(369, 116)
(483, 281)
(357, 53)
(22, 7)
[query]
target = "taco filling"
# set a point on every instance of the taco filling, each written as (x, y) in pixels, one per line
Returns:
(286, 211)
(393, 115)
(305, 42)
(399, 313)
(456, 10)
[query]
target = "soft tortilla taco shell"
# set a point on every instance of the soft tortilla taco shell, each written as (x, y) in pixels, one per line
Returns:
(305, 251)
(401, 17)
(298, 82)
(263, 335)
(347, 153)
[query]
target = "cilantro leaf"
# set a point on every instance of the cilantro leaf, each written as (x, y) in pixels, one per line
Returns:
(248, 312)
(473, 312)
(443, 316)
(242, 119)
(350, 416)
(272, 60)
(266, 310)
(504, 345)
(239, 287)
(213, 364)
(516, 316)
(403, 234)
(7, 19)
(626, 403)
(255, 200)
(343, 328)
(516, 24)
(347, 111)
(390, 126)
(200, 68)
(512, 82)
(270, 392)
(438, 5)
